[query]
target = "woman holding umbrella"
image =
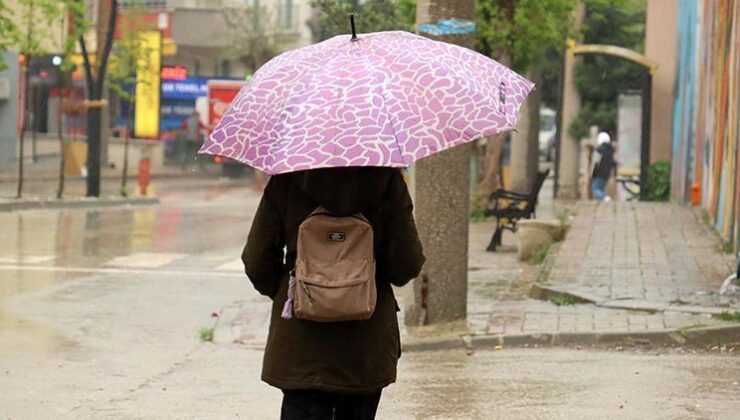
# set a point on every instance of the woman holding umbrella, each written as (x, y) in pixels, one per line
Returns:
(334, 367)
(332, 123)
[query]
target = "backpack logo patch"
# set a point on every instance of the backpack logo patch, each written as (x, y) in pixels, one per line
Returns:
(336, 236)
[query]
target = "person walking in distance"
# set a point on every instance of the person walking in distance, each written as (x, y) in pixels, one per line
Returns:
(603, 166)
(326, 246)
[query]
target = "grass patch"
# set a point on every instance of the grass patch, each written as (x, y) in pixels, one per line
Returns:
(726, 247)
(478, 206)
(564, 216)
(562, 300)
(693, 326)
(206, 334)
(728, 316)
(539, 254)
(477, 216)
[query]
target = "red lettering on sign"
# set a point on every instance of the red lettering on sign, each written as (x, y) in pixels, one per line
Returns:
(174, 73)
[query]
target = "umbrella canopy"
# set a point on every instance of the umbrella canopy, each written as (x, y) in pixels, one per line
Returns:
(383, 99)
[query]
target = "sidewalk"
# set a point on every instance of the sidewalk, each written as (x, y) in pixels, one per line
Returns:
(46, 168)
(645, 256)
(648, 274)
(41, 178)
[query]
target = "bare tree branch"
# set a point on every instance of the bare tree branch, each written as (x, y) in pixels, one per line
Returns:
(86, 63)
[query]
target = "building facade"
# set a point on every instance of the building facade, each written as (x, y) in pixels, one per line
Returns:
(706, 112)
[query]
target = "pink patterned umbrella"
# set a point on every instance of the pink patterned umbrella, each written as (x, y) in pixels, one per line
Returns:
(384, 99)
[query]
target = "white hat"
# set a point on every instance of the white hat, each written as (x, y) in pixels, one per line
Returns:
(603, 137)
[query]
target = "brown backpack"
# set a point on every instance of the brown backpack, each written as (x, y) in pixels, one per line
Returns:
(334, 276)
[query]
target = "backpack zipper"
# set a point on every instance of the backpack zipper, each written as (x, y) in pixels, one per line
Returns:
(308, 292)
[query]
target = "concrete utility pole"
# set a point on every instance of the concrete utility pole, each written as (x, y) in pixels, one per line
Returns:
(568, 149)
(442, 189)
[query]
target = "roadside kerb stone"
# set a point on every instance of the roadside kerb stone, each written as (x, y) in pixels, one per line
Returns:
(74, 203)
(699, 338)
(546, 293)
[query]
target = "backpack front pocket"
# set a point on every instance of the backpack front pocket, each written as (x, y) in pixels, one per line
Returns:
(343, 291)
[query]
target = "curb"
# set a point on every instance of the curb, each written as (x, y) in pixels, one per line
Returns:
(75, 203)
(699, 337)
(47, 178)
(546, 293)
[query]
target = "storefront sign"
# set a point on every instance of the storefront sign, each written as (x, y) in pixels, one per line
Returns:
(148, 85)
(174, 73)
(190, 88)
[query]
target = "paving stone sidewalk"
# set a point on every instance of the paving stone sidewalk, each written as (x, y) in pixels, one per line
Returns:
(498, 306)
(649, 256)
(651, 269)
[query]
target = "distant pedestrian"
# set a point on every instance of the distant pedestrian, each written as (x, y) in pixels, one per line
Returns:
(332, 369)
(603, 167)
(193, 128)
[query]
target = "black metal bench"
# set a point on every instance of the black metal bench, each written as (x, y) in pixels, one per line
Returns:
(508, 207)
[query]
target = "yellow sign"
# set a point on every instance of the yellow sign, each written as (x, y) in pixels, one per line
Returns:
(169, 47)
(148, 80)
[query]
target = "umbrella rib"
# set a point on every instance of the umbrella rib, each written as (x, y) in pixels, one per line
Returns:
(385, 106)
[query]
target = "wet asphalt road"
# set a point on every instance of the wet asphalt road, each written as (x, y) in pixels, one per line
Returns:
(100, 312)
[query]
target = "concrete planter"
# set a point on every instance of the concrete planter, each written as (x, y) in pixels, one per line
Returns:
(532, 234)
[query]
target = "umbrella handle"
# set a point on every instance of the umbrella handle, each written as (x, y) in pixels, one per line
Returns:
(352, 22)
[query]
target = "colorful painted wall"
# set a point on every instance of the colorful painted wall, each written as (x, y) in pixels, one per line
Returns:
(706, 111)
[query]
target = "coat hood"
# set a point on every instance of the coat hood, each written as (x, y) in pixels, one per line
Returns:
(344, 191)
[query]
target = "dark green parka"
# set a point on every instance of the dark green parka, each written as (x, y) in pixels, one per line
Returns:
(351, 357)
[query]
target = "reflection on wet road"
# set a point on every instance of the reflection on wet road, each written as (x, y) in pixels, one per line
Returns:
(100, 312)
(199, 225)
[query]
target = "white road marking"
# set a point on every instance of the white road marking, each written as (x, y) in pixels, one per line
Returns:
(15, 267)
(144, 260)
(27, 259)
(233, 265)
(216, 257)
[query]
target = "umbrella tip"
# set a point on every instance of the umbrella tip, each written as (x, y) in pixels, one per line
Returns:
(352, 23)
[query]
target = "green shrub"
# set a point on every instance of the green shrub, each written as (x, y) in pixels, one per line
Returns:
(728, 316)
(658, 181)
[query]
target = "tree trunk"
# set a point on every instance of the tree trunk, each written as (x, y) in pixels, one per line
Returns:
(95, 92)
(93, 150)
(124, 174)
(568, 148)
(494, 148)
(60, 134)
(34, 120)
(492, 176)
(525, 142)
(22, 139)
(442, 192)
